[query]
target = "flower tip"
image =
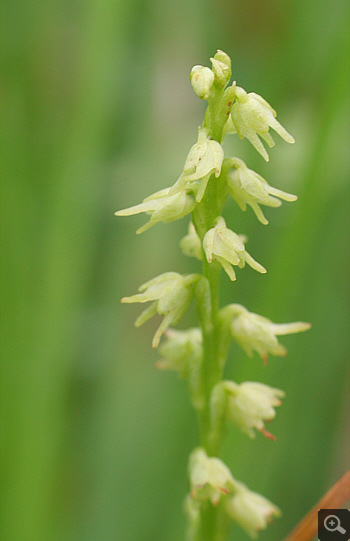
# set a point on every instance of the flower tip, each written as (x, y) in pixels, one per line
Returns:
(267, 434)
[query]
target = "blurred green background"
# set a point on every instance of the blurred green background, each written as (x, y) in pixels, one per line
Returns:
(98, 112)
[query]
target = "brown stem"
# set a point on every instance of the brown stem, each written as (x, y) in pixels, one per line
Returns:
(333, 499)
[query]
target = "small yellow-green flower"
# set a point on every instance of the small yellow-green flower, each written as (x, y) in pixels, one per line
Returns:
(223, 245)
(247, 405)
(162, 207)
(256, 333)
(249, 188)
(252, 117)
(170, 294)
(210, 478)
(250, 510)
(204, 159)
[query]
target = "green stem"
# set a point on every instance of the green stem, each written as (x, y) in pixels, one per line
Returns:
(211, 370)
(203, 218)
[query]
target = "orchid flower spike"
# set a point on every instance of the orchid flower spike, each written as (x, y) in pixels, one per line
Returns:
(171, 295)
(247, 405)
(250, 510)
(210, 478)
(223, 245)
(249, 188)
(162, 207)
(256, 333)
(204, 158)
(252, 117)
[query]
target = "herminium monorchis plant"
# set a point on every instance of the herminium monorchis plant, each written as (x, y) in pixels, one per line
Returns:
(216, 498)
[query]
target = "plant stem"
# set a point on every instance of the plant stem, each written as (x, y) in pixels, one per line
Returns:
(211, 371)
(203, 218)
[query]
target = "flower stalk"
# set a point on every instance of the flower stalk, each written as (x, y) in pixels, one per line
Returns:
(217, 499)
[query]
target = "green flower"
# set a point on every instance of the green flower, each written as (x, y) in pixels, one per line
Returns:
(249, 188)
(210, 478)
(171, 296)
(256, 333)
(250, 510)
(204, 159)
(162, 206)
(247, 405)
(252, 117)
(226, 247)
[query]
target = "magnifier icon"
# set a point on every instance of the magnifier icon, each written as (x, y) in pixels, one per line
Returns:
(332, 524)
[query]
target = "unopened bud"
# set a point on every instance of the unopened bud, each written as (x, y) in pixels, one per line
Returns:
(202, 80)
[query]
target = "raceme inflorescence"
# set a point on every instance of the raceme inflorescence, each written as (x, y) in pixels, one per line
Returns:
(199, 354)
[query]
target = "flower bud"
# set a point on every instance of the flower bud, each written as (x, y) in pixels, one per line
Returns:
(171, 295)
(183, 352)
(249, 188)
(191, 244)
(250, 510)
(210, 478)
(256, 333)
(222, 68)
(252, 117)
(226, 247)
(202, 80)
